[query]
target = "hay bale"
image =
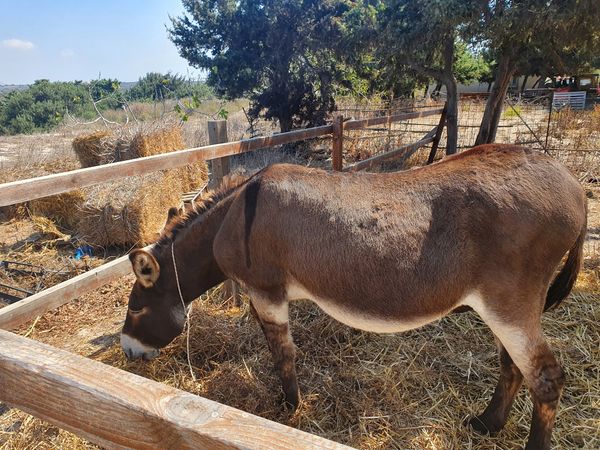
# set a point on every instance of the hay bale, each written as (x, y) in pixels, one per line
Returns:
(100, 147)
(157, 141)
(133, 211)
(63, 209)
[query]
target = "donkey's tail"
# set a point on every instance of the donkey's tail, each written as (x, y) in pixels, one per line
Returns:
(564, 281)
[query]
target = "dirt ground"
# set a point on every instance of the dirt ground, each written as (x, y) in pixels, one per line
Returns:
(410, 390)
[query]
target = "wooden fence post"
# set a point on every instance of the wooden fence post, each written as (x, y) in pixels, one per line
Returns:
(217, 134)
(219, 168)
(438, 135)
(337, 145)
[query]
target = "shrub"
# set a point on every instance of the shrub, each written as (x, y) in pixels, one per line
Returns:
(43, 105)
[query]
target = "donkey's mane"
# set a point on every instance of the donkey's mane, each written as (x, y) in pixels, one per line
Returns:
(206, 202)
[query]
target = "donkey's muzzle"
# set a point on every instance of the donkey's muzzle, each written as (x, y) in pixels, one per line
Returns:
(134, 349)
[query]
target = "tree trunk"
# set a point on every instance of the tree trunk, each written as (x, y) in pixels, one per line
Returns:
(525, 78)
(451, 116)
(451, 97)
(493, 107)
(285, 123)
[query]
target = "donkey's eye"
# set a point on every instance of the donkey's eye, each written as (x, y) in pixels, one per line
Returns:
(136, 311)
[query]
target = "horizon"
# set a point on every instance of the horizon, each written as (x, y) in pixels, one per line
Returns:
(69, 40)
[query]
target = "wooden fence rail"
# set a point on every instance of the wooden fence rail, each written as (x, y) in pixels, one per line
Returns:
(117, 409)
(405, 151)
(23, 311)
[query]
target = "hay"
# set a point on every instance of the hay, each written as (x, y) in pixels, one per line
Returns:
(133, 211)
(410, 390)
(156, 141)
(100, 147)
(105, 147)
(129, 212)
(63, 209)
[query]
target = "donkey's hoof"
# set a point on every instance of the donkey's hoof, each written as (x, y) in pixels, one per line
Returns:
(482, 425)
(291, 404)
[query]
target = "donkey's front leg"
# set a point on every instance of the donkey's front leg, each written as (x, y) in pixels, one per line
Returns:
(273, 319)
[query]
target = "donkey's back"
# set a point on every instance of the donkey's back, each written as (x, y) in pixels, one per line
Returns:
(411, 245)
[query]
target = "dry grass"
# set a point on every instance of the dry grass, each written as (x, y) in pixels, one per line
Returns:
(101, 147)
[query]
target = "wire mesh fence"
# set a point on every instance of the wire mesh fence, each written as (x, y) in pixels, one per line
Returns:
(572, 137)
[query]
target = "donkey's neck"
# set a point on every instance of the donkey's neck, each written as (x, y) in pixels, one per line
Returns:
(196, 265)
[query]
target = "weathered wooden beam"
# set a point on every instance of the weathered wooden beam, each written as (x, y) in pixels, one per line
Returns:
(29, 308)
(405, 150)
(117, 409)
(363, 123)
(337, 144)
(30, 189)
(217, 134)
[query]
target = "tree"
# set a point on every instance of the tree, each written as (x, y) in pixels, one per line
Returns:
(559, 33)
(423, 35)
(469, 64)
(280, 54)
(156, 87)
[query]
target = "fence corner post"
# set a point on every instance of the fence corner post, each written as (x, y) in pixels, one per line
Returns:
(337, 145)
(217, 134)
(219, 168)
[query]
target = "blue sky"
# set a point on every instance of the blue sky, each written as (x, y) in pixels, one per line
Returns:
(76, 40)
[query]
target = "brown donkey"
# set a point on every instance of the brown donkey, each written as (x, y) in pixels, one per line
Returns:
(387, 252)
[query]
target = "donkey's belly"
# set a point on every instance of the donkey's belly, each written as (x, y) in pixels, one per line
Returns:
(357, 318)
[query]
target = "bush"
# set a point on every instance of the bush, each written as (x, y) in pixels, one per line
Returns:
(158, 87)
(43, 105)
(514, 111)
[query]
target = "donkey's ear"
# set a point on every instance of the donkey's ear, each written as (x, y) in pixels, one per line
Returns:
(145, 267)
(173, 213)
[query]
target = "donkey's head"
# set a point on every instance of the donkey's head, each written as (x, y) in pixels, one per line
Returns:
(179, 268)
(155, 315)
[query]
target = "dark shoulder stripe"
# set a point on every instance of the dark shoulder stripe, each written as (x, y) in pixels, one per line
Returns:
(250, 201)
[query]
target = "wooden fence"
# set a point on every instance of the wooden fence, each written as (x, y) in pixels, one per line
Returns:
(114, 408)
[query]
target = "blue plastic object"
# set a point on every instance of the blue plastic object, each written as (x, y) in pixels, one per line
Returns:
(84, 250)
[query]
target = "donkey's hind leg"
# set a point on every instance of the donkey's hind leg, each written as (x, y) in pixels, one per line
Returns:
(273, 319)
(543, 374)
(495, 415)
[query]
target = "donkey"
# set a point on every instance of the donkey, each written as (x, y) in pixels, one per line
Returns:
(384, 252)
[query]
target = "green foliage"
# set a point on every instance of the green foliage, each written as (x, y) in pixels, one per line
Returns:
(469, 65)
(158, 87)
(43, 106)
(280, 54)
(515, 111)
